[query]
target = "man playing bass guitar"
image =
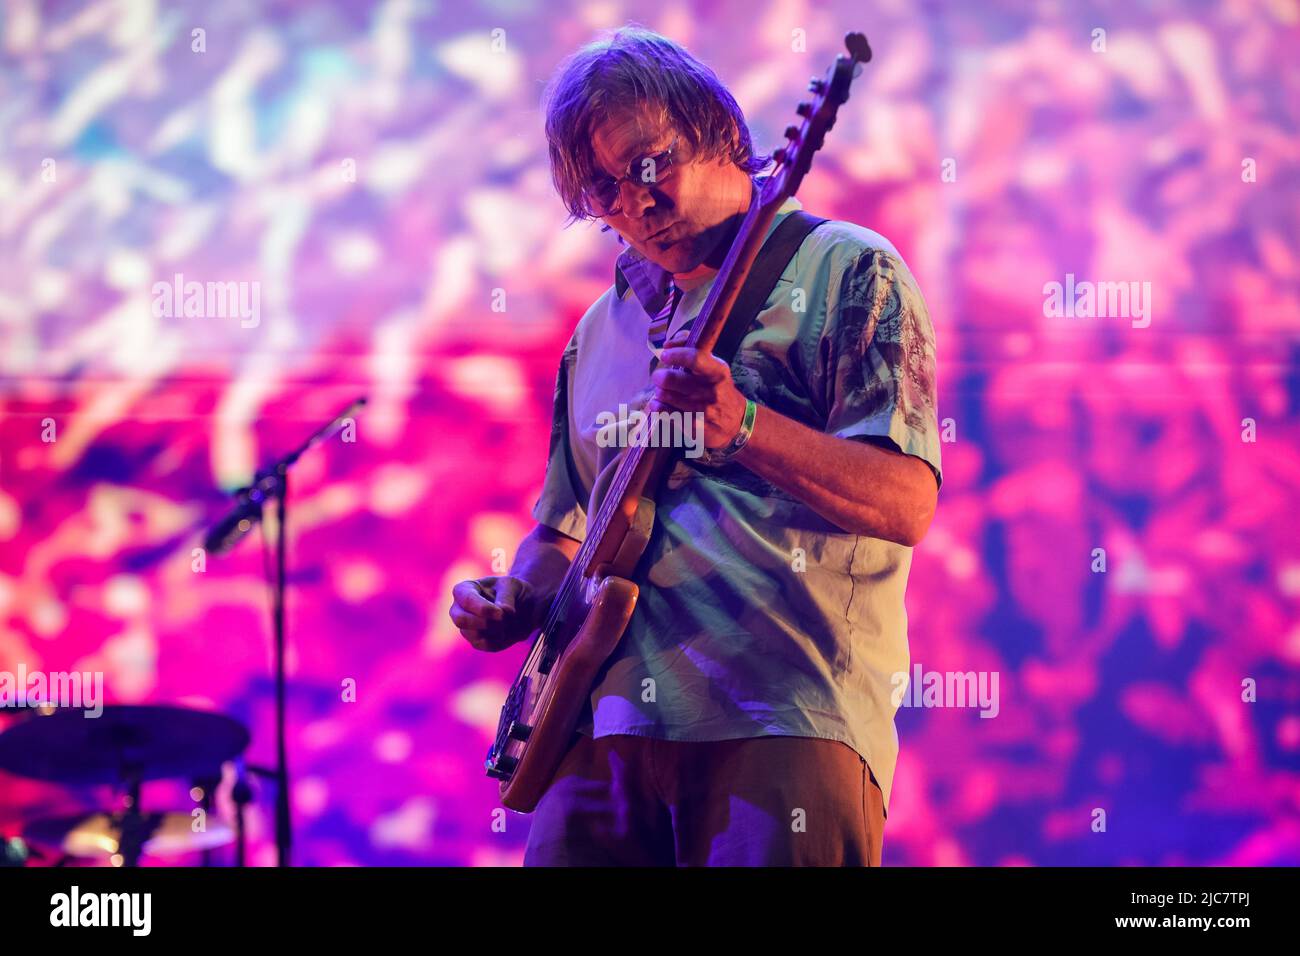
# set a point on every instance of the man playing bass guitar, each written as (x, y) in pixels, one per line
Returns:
(746, 717)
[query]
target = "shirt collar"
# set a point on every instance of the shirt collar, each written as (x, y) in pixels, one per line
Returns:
(649, 283)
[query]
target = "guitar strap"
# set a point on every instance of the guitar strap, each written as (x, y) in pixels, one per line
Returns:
(771, 261)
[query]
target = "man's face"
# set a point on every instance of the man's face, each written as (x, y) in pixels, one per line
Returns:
(674, 222)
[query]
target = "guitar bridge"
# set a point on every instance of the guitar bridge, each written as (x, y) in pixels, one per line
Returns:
(499, 764)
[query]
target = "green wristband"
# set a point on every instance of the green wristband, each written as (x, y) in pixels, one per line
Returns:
(729, 451)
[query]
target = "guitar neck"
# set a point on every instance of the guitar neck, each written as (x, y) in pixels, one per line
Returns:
(732, 274)
(642, 468)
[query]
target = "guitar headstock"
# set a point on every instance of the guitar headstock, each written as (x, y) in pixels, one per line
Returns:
(794, 160)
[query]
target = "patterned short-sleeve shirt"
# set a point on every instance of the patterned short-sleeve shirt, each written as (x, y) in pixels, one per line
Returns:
(757, 616)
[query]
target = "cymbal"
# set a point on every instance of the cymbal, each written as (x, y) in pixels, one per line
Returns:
(98, 836)
(125, 743)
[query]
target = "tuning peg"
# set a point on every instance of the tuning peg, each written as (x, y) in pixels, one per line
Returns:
(816, 85)
(778, 155)
(792, 132)
(804, 109)
(858, 47)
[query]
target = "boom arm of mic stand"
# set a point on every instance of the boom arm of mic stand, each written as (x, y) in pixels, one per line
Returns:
(273, 482)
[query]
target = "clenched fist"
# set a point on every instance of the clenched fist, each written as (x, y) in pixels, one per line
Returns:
(493, 613)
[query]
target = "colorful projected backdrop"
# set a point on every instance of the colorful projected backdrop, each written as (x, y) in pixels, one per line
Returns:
(354, 184)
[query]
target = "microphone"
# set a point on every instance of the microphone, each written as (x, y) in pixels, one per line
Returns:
(225, 534)
(268, 483)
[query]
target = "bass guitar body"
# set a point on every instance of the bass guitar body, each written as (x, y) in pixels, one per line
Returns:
(547, 698)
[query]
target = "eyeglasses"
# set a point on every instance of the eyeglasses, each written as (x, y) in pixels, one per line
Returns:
(649, 169)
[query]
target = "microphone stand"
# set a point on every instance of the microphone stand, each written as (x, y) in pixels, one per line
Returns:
(273, 482)
(283, 820)
(241, 794)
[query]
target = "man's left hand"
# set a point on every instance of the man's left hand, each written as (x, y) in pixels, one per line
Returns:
(695, 380)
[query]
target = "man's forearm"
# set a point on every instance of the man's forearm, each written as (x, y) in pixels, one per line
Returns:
(543, 559)
(854, 485)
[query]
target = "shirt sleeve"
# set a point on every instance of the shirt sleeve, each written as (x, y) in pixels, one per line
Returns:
(876, 360)
(560, 506)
